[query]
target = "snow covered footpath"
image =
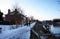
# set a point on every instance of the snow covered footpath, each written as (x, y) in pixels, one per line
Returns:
(19, 33)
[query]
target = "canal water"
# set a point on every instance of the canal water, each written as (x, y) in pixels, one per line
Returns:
(55, 30)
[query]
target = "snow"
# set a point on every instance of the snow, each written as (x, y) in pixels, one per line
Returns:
(19, 33)
(4, 27)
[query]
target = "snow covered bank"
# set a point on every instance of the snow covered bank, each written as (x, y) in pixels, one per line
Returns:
(19, 33)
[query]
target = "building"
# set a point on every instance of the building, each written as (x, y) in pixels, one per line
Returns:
(14, 17)
(56, 22)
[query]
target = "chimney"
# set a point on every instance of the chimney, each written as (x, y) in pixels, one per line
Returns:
(9, 11)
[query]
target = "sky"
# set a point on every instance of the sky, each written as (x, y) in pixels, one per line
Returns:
(39, 9)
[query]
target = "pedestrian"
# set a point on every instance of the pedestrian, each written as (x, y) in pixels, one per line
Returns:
(0, 30)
